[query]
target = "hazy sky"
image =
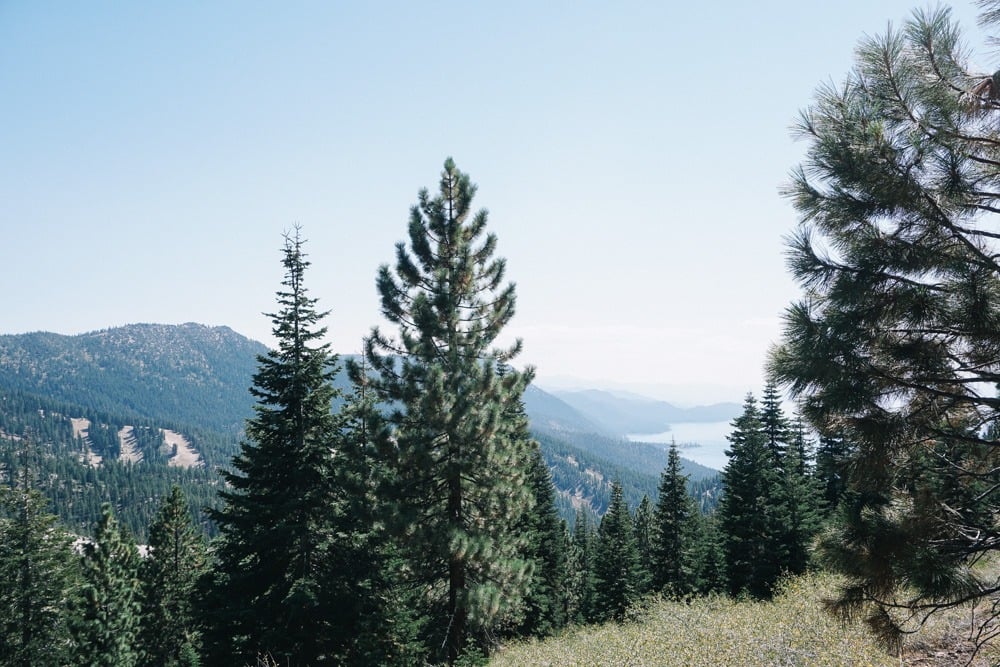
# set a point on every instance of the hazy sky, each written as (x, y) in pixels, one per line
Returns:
(630, 155)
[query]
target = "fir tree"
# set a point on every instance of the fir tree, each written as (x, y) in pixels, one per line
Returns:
(583, 548)
(750, 508)
(37, 575)
(776, 427)
(643, 528)
(169, 575)
(707, 556)
(270, 587)
(459, 466)
(382, 614)
(544, 604)
(800, 495)
(673, 524)
(106, 621)
(616, 562)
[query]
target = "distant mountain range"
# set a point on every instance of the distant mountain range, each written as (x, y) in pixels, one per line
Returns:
(191, 382)
(630, 414)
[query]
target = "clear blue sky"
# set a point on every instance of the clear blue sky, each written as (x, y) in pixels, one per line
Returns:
(629, 153)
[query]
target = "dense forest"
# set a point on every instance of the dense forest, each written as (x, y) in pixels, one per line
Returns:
(397, 508)
(331, 540)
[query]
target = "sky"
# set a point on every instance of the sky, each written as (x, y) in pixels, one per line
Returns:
(630, 155)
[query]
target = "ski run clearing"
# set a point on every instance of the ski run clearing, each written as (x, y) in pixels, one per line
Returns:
(186, 456)
(81, 431)
(126, 446)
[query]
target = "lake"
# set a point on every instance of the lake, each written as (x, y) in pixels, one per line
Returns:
(701, 442)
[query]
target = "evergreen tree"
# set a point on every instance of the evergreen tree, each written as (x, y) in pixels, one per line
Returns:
(169, 575)
(899, 325)
(750, 509)
(105, 626)
(672, 536)
(386, 627)
(583, 548)
(37, 575)
(642, 523)
(544, 605)
(772, 418)
(831, 473)
(708, 556)
(800, 495)
(270, 588)
(459, 465)
(616, 562)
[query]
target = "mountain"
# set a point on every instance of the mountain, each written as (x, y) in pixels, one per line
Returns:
(188, 373)
(121, 414)
(631, 414)
(551, 414)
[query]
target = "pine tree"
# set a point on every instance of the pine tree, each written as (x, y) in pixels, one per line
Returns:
(671, 556)
(169, 575)
(898, 328)
(750, 507)
(105, 625)
(459, 466)
(270, 589)
(616, 561)
(37, 575)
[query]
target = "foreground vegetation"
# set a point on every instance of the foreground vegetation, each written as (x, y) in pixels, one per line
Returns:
(791, 629)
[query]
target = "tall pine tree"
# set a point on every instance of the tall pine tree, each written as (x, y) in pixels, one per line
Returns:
(460, 467)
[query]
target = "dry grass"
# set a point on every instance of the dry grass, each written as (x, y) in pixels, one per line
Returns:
(791, 630)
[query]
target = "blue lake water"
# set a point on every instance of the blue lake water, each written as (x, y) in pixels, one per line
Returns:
(702, 442)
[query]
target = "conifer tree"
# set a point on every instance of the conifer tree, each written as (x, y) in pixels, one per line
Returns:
(642, 525)
(708, 556)
(459, 464)
(772, 418)
(898, 327)
(583, 547)
(616, 561)
(750, 509)
(381, 615)
(37, 575)
(672, 536)
(105, 625)
(800, 495)
(544, 606)
(169, 575)
(832, 455)
(270, 588)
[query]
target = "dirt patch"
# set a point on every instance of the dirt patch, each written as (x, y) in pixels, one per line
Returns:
(128, 452)
(186, 456)
(81, 431)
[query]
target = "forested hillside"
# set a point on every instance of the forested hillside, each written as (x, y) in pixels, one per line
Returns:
(194, 380)
(188, 373)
